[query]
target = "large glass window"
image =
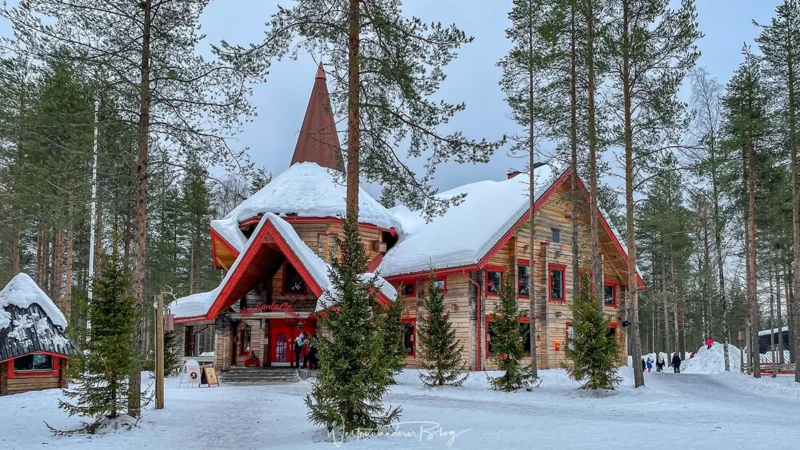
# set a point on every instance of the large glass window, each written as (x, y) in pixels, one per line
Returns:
(33, 362)
(494, 282)
(557, 283)
(570, 336)
(610, 295)
(407, 289)
(244, 339)
(292, 281)
(524, 280)
(409, 337)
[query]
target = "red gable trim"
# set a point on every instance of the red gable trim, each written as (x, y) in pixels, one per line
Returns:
(267, 231)
(525, 217)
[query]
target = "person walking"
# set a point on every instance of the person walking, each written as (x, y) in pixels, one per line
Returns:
(644, 366)
(304, 350)
(709, 343)
(649, 364)
(660, 363)
(313, 361)
(676, 362)
(298, 349)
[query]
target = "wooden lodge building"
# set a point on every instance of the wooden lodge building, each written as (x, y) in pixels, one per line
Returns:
(275, 247)
(33, 346)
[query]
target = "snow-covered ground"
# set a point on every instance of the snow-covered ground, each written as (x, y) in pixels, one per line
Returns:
(723, 410)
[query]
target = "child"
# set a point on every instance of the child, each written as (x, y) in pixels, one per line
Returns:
(649, 365)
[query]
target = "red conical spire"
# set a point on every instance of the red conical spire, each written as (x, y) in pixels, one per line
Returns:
(318, 141)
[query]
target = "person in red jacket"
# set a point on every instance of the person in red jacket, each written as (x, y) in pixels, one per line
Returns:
(709, 343)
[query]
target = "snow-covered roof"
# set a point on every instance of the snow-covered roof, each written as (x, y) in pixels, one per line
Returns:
(22, 292)
(29, 321)
(773, 331)
(306, 190)
(199, 304)
(466, 232)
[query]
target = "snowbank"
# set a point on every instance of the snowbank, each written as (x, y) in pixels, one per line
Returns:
(22, 292)
(712, 360)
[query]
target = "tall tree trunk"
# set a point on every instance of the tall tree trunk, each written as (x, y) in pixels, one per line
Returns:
(98, 238)
(573, 106)
(665, 297)
(752, 300)
(795, 324)
(781, 344)
(707, 297)
(134, 380)
(68, 275)
(718, 225)
(531, 204)
(353, 107)
(597, 269)
(772, 325)
(15, 253)
(40, 258)
(790, 315)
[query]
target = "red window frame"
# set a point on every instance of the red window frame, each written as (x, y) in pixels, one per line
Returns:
(615, 285)
(550, 269)
(54, 372)
(502, 271)
(283, 280)
(413, 322)
(413, 285)
(489, 320)
(526, 263)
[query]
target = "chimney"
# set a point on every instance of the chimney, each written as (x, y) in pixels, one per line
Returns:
(512, 173)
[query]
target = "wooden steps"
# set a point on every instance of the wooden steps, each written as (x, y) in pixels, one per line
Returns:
(257, 375)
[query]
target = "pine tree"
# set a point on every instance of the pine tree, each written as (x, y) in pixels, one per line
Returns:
(385, 68)
(392, 329)
(507, 342)
(102, 386)
(172, 361)
(354, 374)
(592, 351)
(438, 350)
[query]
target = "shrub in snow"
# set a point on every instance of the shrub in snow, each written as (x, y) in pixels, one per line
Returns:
(507, 343)
(439, 350)
(591, 350)
(353, 377)
(101, 391)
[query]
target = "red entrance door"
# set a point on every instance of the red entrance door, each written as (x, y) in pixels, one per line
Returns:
(281, 352)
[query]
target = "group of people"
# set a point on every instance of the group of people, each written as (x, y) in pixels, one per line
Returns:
(304, 350)
(647, 365)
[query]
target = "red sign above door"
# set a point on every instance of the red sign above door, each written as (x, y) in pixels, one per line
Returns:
(284, 307)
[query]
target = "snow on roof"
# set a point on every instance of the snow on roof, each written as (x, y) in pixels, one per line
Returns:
(307, 190)
(22, 292)
(466, 232)
(773, 331)
(198, 304)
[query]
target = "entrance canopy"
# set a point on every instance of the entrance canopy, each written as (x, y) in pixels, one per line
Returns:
(272, 243)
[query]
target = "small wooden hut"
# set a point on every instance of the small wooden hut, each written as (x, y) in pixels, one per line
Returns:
(33, 346)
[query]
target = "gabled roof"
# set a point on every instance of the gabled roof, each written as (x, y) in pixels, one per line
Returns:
(468, 235)
(302, 190)
(30, 322)
(465, 233)
(318, 141)
(273, 240)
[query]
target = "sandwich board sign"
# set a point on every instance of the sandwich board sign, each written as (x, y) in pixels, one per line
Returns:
(210, 373)
(191, 373)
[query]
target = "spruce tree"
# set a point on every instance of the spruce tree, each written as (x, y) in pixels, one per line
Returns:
(439, 352)
(591, 350)
(353, 376)
(507, 342)
(392, 328)
(102, 386)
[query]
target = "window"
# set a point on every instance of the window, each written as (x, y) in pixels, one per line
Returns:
(441, 283)
(409, 336)
(407, 289)
(612, 331)
(523, 278)
(321, 240)
(494, 281)
(555, 237)
(35, 362)
(558, 282)
(524, 329)
(333, 246)
(326, 246)
(244, 339)
(610, 294)
(292, 281)
(570, 336)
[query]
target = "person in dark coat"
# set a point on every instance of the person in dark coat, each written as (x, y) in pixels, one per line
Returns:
(313, 361)
(676, 362)
(644, 366)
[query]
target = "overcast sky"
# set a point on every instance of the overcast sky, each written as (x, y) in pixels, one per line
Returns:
(472, 77)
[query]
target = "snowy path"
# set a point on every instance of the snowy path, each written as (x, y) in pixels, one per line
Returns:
(686, 411)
